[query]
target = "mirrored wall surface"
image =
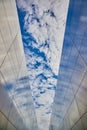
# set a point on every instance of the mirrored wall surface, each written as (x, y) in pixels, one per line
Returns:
(70, 103)
(16, 106)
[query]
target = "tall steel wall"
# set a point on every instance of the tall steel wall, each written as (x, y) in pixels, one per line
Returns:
(16, 107)
(70, 104)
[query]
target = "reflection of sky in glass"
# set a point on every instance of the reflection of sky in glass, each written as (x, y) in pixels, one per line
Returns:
(42, 26)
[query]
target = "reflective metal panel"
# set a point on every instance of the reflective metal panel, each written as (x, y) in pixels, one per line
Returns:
(16, 106)
(71, 94)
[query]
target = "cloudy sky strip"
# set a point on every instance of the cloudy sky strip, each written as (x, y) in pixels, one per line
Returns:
(42, 26)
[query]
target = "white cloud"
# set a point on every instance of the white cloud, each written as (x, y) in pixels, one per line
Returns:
(45, 20)
(83, 18)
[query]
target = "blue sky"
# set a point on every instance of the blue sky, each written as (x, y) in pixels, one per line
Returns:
(42, 26)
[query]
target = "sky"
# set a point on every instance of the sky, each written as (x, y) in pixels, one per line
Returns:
(42, 27)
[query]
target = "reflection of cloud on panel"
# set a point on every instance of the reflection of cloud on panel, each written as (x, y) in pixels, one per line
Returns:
(70, 94)
(42, 24)
(13, 74)
(83, 18)
(20, 93)
(9, 111)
